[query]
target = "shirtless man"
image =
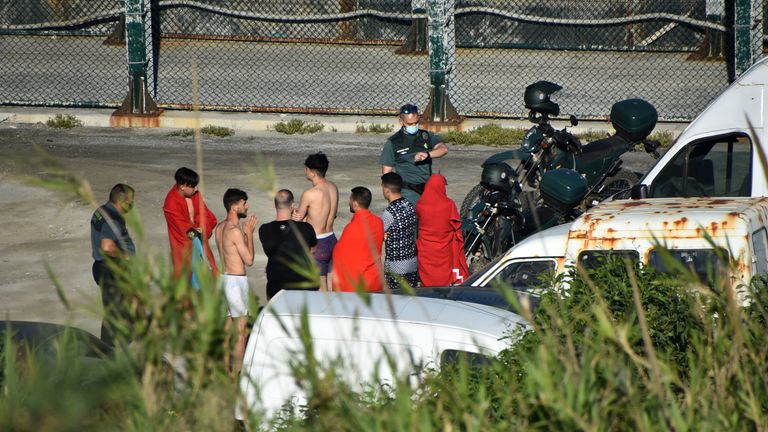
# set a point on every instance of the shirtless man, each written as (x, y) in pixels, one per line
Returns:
(318, 206)
(235, 245)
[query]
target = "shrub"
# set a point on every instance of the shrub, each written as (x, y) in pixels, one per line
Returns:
(374, 128)
(218, 131)
(298, 127)
(64, 122)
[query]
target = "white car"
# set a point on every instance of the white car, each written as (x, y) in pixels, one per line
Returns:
(361, 337)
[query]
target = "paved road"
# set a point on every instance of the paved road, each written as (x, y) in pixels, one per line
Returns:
(244, 75)
(42, 226)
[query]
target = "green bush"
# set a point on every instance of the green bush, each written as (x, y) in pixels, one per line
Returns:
(64, 122)
(497, 136)
(218, 131)
(298, 127)
(374, 128)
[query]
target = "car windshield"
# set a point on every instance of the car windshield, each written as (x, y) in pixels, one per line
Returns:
(477, 275)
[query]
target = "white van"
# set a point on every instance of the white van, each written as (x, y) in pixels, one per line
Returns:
(697, 231)
(361, 337)
(722, 151)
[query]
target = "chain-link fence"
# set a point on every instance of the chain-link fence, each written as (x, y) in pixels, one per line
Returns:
(370, 56)
(54, 53)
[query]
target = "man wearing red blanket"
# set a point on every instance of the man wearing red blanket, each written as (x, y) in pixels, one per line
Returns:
(357, 255)
(185, 209)
(439, 244)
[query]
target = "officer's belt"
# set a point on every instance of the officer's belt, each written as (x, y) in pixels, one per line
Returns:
(416, 187)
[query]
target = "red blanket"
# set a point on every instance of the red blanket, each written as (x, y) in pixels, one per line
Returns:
(440, 244)
(357, 255)
(177, 217)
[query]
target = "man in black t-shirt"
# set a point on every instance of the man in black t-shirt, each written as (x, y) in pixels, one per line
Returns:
(287, 245)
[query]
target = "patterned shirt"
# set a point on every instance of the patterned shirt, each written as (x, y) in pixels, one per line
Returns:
(400, 225)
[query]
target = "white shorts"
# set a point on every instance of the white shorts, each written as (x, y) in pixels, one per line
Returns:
(236, 291)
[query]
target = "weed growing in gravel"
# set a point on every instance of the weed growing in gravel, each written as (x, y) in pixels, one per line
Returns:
(374, 128)
(62, 121)
(218, 131)
(300, 127)
(490, 135)
(496, 136)
(185, 133)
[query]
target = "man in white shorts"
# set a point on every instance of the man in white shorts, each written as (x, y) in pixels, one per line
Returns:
(235, 243)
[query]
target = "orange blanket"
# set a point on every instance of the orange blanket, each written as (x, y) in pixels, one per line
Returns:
(439, 244)
(177, 217)
(357, 255)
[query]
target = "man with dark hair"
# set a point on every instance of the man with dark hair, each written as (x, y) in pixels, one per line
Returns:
(410, 152)
(185, 209)
(235, 243)
(111, 246)
(318, 207)
(287, 245)
(399, 234)
(357, 256)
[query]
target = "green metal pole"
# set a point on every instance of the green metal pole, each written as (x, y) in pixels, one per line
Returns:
(138, 100)
(747, 33)
(439, 108)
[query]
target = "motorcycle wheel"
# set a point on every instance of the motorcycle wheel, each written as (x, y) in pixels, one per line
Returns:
(623, 180)
(472, 198)
(498, 246)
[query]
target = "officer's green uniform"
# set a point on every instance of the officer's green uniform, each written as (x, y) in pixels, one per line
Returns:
(399, 152)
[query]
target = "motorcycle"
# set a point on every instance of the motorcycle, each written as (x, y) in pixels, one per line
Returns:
(552, 178)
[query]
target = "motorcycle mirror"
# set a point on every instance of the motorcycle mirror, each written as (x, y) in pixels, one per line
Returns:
(574, 120)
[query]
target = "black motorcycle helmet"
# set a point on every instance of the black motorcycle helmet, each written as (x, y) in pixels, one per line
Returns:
(498, 177)
(537, 97)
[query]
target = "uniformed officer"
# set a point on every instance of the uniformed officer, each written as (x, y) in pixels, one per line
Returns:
(410, 151)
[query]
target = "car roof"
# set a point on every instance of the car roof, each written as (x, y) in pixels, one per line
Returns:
(662, 217)
(380, 306)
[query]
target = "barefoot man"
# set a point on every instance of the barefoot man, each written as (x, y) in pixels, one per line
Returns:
(235, 244)
(318, 206)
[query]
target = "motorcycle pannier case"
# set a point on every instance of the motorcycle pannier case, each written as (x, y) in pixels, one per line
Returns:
(562, 189)
(633, 119)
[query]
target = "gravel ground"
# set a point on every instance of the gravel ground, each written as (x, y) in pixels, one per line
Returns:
(44, 226)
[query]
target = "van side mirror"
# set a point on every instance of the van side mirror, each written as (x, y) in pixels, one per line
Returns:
(639, 191)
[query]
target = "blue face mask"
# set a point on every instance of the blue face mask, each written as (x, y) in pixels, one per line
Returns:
(411, 130)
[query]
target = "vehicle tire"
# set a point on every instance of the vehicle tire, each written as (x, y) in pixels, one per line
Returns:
(621, 181)
(472, 198)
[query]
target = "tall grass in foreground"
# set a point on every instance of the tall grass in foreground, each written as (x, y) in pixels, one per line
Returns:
(624, 349)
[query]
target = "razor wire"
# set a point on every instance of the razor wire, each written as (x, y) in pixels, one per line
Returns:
(116, 13)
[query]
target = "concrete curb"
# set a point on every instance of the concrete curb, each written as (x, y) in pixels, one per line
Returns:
(253, 122)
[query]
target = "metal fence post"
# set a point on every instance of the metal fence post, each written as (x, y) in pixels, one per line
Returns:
(138, 101)
(439, 108)
(416, 39)
(747, 33)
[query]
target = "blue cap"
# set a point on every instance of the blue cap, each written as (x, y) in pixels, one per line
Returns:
(409, 109)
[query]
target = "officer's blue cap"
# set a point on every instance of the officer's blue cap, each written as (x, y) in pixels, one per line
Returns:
(409, 109)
